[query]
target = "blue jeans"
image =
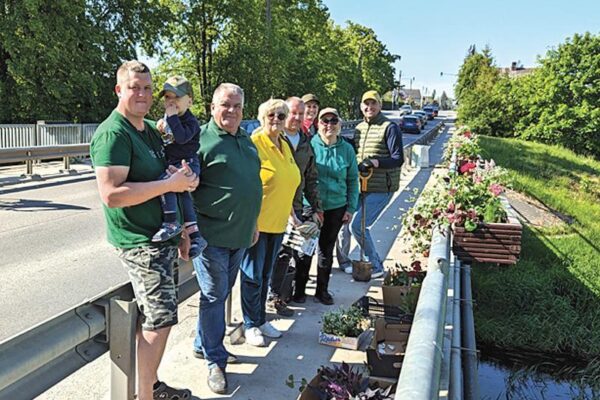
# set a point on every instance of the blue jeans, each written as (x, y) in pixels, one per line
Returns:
(168, 201)
(374, 205)
(256, 268)
(216, 271)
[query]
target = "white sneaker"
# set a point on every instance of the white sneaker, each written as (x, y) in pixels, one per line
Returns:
(377, 274)
(348, 269)
(254, 337)
(269, 330)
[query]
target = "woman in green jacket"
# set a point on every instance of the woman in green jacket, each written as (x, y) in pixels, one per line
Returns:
(338, 187)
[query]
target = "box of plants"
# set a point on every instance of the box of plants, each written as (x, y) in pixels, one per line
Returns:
(470, 201)
(345, 328)
(344, 382)
(402, 285)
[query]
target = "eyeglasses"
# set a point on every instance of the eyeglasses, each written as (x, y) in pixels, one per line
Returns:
(280, 116)
(333, 121)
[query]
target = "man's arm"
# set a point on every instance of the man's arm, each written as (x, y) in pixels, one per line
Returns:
(393, 139)
(116, 192)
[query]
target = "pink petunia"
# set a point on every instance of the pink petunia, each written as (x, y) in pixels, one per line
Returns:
(496, 189)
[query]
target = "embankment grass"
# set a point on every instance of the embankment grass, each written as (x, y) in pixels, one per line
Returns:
(550, 300)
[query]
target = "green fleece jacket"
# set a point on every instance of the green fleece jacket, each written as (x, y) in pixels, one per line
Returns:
(337, 172)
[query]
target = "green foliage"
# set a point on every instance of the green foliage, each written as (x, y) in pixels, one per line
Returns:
(297, 51)
(558, 103)
(58, 58)
(345, 322)
(549, 301)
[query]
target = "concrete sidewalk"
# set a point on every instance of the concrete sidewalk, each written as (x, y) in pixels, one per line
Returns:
(263, 371)
(14, 178)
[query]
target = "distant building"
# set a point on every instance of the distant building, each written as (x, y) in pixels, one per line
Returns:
(516, 70)
(411, 96)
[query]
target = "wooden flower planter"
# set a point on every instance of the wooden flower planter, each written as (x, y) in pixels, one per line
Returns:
(498, 243)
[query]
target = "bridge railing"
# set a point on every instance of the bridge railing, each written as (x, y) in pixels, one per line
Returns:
(441, 356)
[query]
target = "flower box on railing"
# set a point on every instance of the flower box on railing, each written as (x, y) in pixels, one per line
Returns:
(498, 243)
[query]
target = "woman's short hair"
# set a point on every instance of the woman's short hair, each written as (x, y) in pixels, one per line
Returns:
(270, 106)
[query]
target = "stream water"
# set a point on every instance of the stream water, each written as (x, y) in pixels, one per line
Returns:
(499, 382)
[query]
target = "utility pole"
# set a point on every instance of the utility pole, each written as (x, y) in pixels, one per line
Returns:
(268, 15)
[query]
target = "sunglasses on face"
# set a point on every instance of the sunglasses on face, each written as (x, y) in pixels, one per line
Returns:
(333, 121)
(280, 116)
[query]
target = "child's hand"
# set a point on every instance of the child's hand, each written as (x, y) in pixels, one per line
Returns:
(160, 125)
(170, 109)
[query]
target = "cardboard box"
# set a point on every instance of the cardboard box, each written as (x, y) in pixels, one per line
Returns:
(345, 342)
(387, 348)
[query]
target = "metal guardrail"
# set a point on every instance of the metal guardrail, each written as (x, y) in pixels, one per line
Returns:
(441, 356)
(33, 361)
(31, 154)
(421, 368)
(42, 134)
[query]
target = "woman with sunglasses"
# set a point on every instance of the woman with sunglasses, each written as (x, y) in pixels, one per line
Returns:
(280, 177)
(338, 186)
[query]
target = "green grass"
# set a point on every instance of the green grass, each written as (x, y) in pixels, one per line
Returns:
(550, 300)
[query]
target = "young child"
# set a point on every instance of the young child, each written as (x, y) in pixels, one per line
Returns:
(180, 131)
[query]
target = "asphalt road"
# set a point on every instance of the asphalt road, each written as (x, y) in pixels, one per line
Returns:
(53, 251)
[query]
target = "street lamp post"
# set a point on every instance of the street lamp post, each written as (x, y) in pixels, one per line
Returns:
(447, 73)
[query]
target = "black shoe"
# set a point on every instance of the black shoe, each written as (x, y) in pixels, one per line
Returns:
(299, 299)
(277, 305)
(324, 298)
(231, 359)
(217, 381)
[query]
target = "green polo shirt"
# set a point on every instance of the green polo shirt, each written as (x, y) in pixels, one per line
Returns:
(229, 196)
(118, 143)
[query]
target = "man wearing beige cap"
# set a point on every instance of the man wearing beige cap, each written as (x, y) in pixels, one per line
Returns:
(309, 125)
(379, 147)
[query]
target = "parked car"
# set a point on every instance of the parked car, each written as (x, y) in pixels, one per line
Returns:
(429, 111)
(405, 110)
(423, 116)
(410, 124)
(436, 109)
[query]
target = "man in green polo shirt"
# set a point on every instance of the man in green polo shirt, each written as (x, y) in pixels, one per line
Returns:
(227, 202)
(127, 155)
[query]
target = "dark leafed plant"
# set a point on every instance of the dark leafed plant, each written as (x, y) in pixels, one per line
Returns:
(343, 382)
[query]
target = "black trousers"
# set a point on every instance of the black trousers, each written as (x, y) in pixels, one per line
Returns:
(332, 223)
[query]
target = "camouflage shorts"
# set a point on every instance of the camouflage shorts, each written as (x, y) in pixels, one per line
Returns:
(153, 275)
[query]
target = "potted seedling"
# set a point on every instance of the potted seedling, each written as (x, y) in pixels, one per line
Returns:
(345, 328)
(402, 281)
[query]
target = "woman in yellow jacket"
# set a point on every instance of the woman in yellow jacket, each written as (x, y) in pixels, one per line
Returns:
(280, 177)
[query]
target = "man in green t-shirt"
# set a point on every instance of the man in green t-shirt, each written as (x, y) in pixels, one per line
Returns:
(127, 155)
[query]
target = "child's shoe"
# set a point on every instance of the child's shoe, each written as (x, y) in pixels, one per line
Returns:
(197, 246)
(167, 231)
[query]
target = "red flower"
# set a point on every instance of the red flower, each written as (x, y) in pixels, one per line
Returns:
(467, 134)
(467, 167)
(416, 266)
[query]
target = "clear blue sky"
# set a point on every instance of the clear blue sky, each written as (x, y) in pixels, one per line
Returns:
(434, 36)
